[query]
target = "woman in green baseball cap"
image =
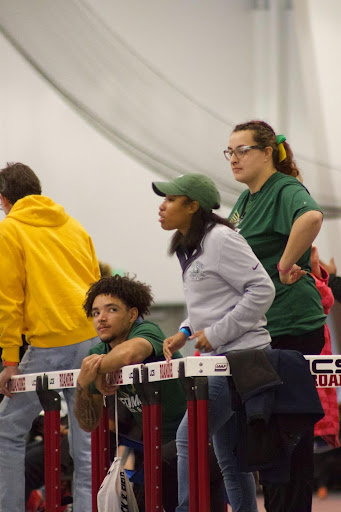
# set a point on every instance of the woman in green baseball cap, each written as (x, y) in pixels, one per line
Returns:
(279, 219)
(227, 293)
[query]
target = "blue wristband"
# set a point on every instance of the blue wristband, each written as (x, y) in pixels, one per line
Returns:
(185, 331)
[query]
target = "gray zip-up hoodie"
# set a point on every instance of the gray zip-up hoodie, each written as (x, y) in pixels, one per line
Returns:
(227, 292)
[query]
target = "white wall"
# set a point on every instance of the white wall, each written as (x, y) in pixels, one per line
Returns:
(205, 48)
(318, 36)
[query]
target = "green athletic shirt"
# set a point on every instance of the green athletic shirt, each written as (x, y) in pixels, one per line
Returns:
(172, 394)
(265, 219)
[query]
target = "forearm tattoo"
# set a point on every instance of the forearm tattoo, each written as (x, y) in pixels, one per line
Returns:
(88, 410)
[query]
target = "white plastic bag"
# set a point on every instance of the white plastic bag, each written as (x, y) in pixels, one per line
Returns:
(116, 492)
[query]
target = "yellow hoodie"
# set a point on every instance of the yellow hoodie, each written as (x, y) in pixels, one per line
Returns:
(47, 263)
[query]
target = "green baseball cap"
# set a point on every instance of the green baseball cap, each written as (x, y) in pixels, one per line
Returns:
(197, 187)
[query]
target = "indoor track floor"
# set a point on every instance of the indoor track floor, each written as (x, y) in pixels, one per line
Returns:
(330, 504)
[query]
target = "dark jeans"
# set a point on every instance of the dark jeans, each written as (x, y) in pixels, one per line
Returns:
(296, 495)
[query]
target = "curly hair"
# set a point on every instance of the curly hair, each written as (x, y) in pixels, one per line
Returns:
(131, 292)
(265, 136)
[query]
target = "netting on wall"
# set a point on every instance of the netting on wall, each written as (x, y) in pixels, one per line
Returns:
(117, 91)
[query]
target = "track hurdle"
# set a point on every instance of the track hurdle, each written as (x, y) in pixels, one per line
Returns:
(149, 394)
(50, 401)
(100, 455)
(326, 370)
(196, 389)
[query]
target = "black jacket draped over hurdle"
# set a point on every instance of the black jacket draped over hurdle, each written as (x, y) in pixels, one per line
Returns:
(275, 399)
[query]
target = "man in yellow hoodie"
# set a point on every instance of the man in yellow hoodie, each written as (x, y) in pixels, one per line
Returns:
(47, 263)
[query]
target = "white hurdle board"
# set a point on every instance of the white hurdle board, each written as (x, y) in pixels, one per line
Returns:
(326, 369)
(194, 366)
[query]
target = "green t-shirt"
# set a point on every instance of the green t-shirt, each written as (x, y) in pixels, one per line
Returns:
(265, 220)
(172, 394)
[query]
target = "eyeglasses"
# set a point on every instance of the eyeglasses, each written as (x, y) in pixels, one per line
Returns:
(239, 151)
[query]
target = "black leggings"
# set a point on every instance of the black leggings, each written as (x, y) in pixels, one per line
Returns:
(310, 343)
(296, 495)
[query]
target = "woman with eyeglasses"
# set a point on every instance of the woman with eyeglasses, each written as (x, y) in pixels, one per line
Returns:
(227, 293)
(279, 219)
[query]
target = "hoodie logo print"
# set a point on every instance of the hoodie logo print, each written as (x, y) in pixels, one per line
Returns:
(196, 271)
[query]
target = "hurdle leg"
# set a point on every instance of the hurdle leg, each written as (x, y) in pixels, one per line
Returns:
(146, 456)
(141, 391)
(100, 455)
(104, 444)
(153, 484)
(193, 456)
(201, 390)
(52, 460)
(50, 401)
(95, 467)
(155, 458)
(149, 394)
(188, 385)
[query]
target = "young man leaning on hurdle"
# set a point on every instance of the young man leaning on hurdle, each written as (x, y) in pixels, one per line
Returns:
(117, 306)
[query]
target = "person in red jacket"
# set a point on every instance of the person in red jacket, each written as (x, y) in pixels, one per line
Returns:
(328, 426)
